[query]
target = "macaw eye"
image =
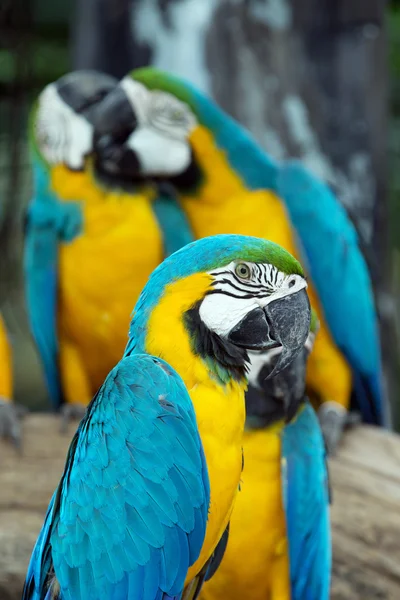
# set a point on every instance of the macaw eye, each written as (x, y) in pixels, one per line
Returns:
(243, 271)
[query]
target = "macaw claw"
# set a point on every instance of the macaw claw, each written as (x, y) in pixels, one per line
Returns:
(332, 418)
(10, 422)
(71, 412)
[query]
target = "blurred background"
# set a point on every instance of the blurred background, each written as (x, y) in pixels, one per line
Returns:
(314, 79)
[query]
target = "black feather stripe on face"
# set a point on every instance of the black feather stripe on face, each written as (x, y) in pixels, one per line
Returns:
(229, 360)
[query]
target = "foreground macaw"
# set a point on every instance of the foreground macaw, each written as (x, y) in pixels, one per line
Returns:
(89, 248)
(140, 510)
(227, 184)
(9, 413)
(279, 543)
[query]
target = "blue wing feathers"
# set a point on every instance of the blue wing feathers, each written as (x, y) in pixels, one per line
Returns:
(306, 499)
(175, 228)
(47, 223)
(41, 277)
(340, 275)
(130, 522)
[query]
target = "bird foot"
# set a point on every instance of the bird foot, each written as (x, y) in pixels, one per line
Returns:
(353, 418)
(71, 412)
(333, 419)
(10, 422)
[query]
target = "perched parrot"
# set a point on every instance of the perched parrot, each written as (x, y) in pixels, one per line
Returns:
(10, 413)
(227, 184)
(280, 522)
(89, 247)
(153, 470)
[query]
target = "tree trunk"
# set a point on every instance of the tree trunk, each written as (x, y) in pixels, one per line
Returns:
(308, 78)
(102, 37)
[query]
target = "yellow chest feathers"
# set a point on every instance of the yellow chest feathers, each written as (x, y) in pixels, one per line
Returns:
(120, 245)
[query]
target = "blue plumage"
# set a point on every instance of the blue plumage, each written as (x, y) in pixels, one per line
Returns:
(47, 223)
(306, 500)
(175, 228)
(130, 513)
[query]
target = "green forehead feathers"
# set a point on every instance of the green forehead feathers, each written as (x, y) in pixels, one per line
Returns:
(153, 79)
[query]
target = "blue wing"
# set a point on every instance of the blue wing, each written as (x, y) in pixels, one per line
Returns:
(175, 228)
(340, 275)
(306, 499)
(329, 243)
(130, 513)
(41, 281)
(40, 563)
(47, 222)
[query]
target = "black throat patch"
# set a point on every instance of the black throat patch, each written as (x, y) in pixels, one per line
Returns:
(224, 359)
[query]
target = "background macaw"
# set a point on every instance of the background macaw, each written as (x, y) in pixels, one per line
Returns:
(227, 184)
(281, 518)
(9, 413)
(89, 248)
(153, 470)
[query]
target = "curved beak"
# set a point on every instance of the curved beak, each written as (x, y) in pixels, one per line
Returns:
(82, 90)
(284, 322)
(114, 120)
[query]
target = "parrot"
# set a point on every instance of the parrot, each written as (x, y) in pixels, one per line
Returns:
(281, 521)
(10, 413)
(152, 473)
(89, 248)
(226, 183)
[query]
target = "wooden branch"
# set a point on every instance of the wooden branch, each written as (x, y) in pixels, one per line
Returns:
(365, 513)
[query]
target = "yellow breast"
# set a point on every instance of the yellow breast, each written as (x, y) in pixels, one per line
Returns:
(220, 418)
(255, 564)
(103, 270)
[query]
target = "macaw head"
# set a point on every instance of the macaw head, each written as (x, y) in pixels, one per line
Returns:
(147, 128)
(61, 129)
(271, 399)
(226, 295)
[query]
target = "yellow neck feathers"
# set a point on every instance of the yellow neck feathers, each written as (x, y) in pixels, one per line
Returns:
(167, 336)
(220, 180)
(83, 186)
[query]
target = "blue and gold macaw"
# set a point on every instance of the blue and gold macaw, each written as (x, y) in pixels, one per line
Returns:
(280, 522)
(10, 413)
(227, 184)
(153, 470)
(90, 246)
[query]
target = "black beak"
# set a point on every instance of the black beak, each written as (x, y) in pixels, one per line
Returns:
(284, 322)
(114, 120)
(82, 90)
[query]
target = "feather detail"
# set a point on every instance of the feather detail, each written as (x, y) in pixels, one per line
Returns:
(306, 500)
(129, 528)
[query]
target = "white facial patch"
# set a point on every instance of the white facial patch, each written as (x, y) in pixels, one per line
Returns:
(164, 124)
(233, 297)
(62, 135)
(157, 153)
